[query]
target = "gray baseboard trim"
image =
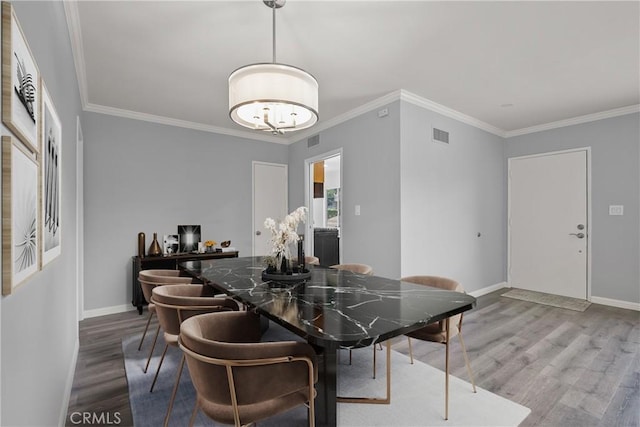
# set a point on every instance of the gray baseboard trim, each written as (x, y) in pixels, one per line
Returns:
(616, 303)
(488, 289)
(107, 310)
(62, 419)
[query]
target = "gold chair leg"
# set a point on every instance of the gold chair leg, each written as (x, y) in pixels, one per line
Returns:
(466, 361)
(193, 414)
(387, 399)
(410, 350)
(446, 368)
(146, 328)
(175, 391)
(166, 346)
(153, 346)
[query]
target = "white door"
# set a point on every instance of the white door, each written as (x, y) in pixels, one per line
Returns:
(548, 230)
(270, 189)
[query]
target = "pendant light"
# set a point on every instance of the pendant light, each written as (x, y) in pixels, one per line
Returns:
(273, 97)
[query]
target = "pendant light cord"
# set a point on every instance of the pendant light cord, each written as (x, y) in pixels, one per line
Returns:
(274, 30)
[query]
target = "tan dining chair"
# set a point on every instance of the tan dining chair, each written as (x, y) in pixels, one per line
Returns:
(308, 260)
(239, 380)
(443, 331)
(366, 270)
(175, 304)
(149, 279)
(354, 268)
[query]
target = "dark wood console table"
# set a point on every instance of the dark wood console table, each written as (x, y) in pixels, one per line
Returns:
(167, 262)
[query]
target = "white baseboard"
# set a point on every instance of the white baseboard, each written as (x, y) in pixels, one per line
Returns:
(488, 289)
(62, 420)
(108, 310)
(616, 303)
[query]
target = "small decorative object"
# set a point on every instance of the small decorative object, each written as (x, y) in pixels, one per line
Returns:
(282, 236)
(154, 249)
(209, 244)
(141, 245)
(225, 244)
(171, 243)
(189, 237)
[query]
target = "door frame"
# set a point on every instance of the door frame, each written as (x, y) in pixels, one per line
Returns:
(253, 196)
(308, 192)
(79, 220)
(587, 151)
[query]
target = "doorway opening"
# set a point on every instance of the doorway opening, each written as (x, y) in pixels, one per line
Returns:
(323, 194)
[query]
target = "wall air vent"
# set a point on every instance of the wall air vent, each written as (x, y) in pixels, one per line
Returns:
(440, 136)
(313, 141)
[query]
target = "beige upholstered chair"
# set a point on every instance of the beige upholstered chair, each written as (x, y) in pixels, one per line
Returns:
(174, 304)
(149, 279)
(443, 331)
(239, 380)
(354, 268)
(308, 260)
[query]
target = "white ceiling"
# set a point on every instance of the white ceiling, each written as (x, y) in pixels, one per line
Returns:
(506, 67)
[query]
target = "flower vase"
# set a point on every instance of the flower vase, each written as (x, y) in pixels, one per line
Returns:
(154, 249)
(284, 265)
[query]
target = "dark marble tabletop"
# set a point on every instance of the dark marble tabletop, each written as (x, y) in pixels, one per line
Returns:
(333, 307)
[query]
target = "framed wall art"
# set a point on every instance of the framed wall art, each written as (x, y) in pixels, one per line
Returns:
(50, 178)
(20, 243)
(189, 237)
(171, 244)
(20, 80)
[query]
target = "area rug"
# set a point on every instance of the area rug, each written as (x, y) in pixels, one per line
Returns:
(417, 393)
(575, 304)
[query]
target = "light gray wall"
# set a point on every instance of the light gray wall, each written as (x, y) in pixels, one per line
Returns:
(39, 329)
(370, 178)
(615, 180)
(146, 177)
(450, 193)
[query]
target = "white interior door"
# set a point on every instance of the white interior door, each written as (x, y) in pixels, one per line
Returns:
(270, 189)
(548, 229)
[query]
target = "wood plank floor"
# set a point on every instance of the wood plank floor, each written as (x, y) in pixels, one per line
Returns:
(570, 368)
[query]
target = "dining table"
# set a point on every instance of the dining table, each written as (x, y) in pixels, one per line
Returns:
(332, 310)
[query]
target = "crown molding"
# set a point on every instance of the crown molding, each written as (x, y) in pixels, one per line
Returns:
(75, 35)
(448, 112)
(364, 108)
(134, 115)
(575, 120)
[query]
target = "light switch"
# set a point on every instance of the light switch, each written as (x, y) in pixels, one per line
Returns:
(616, 210)
(357, 209)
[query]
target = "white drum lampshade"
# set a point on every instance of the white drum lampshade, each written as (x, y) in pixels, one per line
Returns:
(273, 97)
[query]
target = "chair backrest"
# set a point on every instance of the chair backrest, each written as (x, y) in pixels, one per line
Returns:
(355, 268)
(441, 283)
(308, 260)
(223, 354)
(160, 272)
(149, 279)
(176, 303)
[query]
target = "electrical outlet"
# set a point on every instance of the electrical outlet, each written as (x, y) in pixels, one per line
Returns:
(616, 210)
(357, 209)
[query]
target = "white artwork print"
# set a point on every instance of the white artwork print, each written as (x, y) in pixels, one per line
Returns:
(24, 78)
(24, 190)
(51, 180)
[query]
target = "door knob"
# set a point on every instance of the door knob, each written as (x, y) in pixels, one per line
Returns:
(578, 235)
(258, 233)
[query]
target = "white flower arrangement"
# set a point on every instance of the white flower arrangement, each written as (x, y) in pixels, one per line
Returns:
(285, 233)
